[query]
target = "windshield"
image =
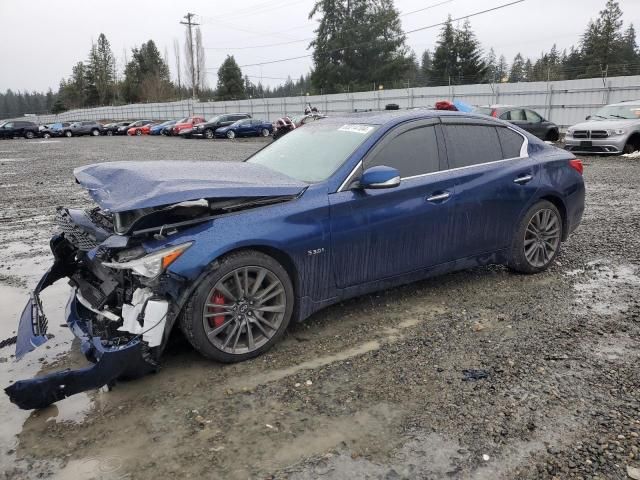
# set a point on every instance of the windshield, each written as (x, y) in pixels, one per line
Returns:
(312, 153)
(630, 111)
(214, 119)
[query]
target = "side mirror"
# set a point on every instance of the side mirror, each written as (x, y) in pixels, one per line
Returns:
(379, 177)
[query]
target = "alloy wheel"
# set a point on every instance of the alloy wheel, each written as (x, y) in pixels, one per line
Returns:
(208, 133)
(231, 134)
(244, 310)
(542, 237)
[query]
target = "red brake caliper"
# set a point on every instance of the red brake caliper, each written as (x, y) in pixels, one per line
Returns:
(218, 299)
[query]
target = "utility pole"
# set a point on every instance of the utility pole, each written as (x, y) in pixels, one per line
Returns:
(189, 23)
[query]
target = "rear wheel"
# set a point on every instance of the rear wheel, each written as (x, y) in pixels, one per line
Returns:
(95, 132)
(46, 135)
(241, 309)
(29, 135)
(109, 133)
(265, 132)
(231, 134)
(138, 132)
(552, 136)
(537, 241)
(68, 134)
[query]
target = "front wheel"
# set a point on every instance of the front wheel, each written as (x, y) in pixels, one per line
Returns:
(68, 134)
(95, 132)
(208, 133)
(265, 132)
(231, 134)
(241, 309)
(46, 135)
(138, 133)
(109, 133)
(537, 241)
(29, 135)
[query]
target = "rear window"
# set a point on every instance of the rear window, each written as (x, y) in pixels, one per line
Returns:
(471, 145)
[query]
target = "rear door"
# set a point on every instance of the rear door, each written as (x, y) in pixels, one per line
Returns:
(494, 182)
(377, 234)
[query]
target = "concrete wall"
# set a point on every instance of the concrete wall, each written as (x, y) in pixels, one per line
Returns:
(564, 102)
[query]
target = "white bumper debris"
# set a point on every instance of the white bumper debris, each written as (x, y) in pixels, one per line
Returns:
(154, 320)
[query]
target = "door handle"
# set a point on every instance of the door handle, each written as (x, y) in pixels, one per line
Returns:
(438, 197)
(523, 179)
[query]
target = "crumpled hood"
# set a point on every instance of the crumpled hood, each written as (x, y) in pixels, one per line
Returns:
(122, 186)
(602, 124)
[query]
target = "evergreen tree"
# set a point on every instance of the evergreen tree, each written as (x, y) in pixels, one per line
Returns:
(445, 57)
(470, 66)
(502, 69)
(491, 63)
(230, 83)
(146, 76)
(425, 67)
(517, 73)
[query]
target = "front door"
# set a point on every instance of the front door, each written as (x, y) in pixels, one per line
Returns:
(376, 234)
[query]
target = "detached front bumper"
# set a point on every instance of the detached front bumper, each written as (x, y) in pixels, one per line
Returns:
(125, 356)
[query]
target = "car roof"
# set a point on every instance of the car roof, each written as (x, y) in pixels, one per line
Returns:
(393, 117)
(623, 104)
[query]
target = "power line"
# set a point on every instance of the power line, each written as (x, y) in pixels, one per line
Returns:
(405, 33)
(278, 44)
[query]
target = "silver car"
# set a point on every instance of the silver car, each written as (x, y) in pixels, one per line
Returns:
(614, 129)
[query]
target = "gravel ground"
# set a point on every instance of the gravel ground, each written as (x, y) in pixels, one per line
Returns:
(371, 388)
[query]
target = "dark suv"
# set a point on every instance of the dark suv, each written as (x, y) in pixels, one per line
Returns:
(78, 129)
(18, 129)
(208, 129)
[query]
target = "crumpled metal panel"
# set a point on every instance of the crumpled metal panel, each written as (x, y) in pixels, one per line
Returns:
(123, 186)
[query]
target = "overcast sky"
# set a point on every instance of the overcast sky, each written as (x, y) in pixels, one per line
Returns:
(42, 40)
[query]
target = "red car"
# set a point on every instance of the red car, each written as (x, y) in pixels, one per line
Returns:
(141, 127)
(186, 125)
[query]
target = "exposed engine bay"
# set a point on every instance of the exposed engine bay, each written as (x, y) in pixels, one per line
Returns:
(123, 303)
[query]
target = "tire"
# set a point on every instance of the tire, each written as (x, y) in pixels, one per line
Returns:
(537, 240)
(46, 135)
(29, 135)
(68, 134)
(552, 136)
(231, 134)
(95, 132)
(138, 132)
(197, 316)
(109, 133)
(208, 133)
(264, 132)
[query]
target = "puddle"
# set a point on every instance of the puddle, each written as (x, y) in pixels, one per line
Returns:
(103, 468)
(12, 418)
(9, 160)
(609, 289)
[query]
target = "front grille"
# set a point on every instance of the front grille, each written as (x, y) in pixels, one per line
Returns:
(581, 134)
(78, 237)
(599, 134)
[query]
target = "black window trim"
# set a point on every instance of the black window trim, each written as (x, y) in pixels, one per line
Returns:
(524, 150)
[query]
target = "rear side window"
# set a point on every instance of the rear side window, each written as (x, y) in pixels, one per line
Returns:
(517, 115)
(511, 142)
(414, 152)
(471, 144)
(532, 116)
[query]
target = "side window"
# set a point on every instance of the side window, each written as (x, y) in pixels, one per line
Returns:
(517, 115)
(9, 125)
(511, 142)
(532, 116)
(471, 144)
(414, 152)
(505, 116)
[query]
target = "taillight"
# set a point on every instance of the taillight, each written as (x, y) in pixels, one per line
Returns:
(494, 113)
(576, 164)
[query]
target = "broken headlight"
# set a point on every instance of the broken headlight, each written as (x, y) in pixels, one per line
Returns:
(153, 264)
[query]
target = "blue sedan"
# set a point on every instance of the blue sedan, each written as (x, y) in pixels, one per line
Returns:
(157, 129)
(245, 128)
(232, 252)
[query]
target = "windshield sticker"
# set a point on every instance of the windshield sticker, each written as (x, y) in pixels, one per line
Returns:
(354, 128)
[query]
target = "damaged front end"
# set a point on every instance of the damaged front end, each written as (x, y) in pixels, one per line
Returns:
(120, 307)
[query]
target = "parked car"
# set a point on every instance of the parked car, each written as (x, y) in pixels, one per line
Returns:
(138, 130)
(284, 125)
(138, 123)
(525, 118)
(52, 129)
(208, 129)
(77, 129)
(114, 128)
(186, 126)
(614, 129)
(245, 128)
(234, 252)
(18, 128)
(159, 128)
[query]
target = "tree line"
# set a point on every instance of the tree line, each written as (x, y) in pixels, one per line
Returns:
(358, 45)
